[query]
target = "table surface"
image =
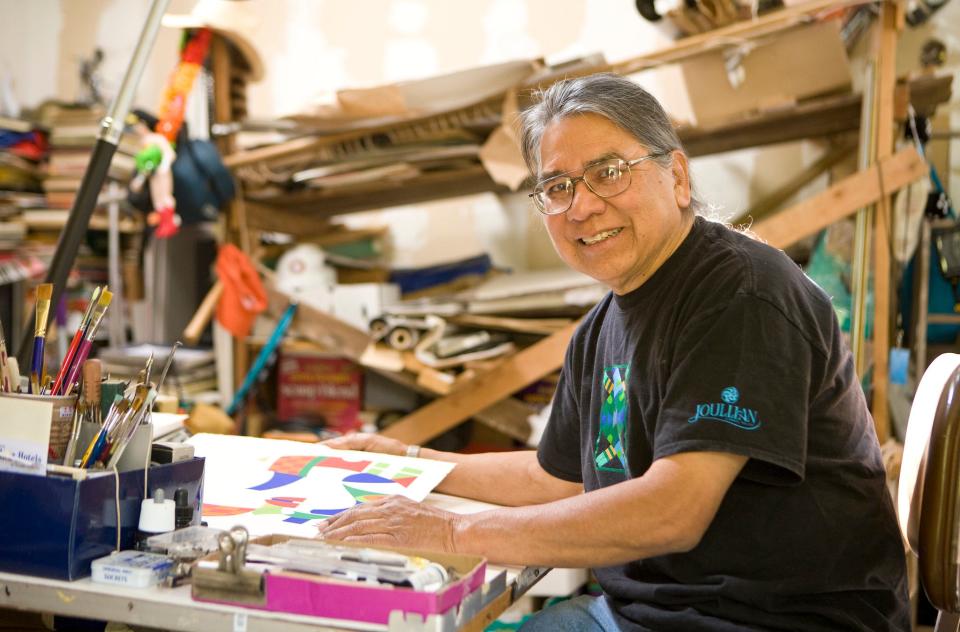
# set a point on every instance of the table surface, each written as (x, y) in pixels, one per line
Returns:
(174, 609)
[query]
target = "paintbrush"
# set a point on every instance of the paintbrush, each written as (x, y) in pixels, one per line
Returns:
(44, 294)
(117, 411)
(88, 408)
(75, 343)
(117, 447)
(13, 370)
(87, 343)
(5, 384)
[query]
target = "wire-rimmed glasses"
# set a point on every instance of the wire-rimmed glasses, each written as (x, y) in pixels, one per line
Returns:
(605, 178)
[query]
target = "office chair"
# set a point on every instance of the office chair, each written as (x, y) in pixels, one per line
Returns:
(928, 498)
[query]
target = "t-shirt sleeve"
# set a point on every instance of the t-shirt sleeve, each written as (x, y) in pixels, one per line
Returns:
(739, 383)
(559, 448)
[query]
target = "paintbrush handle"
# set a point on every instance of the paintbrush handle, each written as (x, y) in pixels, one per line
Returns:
(97, 438)
(6, 384)
(82, 352)
(67, 362)
(36, 365)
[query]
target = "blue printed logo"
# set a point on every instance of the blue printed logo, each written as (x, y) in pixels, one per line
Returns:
(728, 412)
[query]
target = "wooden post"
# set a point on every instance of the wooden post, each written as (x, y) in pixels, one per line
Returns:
(883, 303)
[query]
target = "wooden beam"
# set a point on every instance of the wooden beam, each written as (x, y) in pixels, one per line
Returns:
(734, 35)
(815, 118)
(318, 326)
(774, 200)
(842, 199)
(884, 304)
(284, 220)
(488, 388)
(429, 186)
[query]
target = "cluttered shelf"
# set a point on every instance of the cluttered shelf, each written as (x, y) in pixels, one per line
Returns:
(814, 118)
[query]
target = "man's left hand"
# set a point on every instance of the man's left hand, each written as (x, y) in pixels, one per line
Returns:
(394, 521)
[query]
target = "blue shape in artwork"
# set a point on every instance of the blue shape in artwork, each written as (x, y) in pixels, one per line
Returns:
(363, 477)
(296, 520)
(328, 512)
(279, 480)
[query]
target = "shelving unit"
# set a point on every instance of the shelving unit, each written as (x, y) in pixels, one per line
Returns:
(299, 211)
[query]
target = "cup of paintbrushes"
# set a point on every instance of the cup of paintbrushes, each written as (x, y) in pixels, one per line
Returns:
(61, 421)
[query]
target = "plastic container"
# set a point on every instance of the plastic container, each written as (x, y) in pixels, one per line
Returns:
(136, 569)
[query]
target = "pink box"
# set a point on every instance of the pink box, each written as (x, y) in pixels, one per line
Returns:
(314, 595)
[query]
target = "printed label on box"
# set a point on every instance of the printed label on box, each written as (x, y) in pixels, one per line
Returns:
(319, 389)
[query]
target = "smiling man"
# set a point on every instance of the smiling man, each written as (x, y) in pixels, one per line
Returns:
(709, 453)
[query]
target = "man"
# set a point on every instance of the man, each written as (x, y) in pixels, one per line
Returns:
(709, 454)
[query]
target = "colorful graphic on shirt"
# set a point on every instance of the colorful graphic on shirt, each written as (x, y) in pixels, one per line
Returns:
(728, 412)
(609, 450)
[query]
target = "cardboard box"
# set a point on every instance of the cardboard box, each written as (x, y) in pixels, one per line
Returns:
(55, 526)
(318, 596)
(319, 388)
(776, 72)
(359, 303)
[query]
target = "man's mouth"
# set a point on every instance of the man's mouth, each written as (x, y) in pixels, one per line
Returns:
(596, 239)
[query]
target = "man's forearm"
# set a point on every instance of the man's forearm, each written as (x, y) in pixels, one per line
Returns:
(503, 478)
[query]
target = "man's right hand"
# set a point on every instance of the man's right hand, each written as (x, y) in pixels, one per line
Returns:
(367, 442)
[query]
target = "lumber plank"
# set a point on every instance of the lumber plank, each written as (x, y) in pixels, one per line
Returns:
(527, 366)
(883, 301)
(841, 199)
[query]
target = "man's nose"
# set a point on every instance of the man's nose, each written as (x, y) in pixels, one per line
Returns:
(585, 203)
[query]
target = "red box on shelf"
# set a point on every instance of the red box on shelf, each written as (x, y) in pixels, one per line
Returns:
(321, 389)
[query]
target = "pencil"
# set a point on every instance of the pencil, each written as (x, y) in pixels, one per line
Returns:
(44, 294)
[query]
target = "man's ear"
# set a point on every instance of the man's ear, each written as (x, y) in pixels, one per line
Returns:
(680, 167)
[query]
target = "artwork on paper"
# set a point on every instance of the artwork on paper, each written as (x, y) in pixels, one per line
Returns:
(272, 486)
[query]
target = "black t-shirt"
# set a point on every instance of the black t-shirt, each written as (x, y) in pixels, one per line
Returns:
(729, 347)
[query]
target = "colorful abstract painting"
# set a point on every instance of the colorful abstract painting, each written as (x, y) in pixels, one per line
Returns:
(272, 486)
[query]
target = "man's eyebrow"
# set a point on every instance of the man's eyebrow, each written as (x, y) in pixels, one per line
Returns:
(553, 174)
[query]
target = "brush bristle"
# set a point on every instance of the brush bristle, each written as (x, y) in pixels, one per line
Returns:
(45, 291)
(105, 297)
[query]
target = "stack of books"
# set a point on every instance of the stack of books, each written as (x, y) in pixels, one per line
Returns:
(73, 134)
(192, 377)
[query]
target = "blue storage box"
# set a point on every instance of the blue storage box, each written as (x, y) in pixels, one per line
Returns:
(55, 526)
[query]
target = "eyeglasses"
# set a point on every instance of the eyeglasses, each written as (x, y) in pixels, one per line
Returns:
(605, 178)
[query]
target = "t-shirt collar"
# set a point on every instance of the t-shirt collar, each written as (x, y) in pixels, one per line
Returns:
(670, 268)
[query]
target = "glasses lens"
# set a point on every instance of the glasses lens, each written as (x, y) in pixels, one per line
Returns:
(608, 178)
(554, 196)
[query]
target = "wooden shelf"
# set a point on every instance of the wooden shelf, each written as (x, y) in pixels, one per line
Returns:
(818, 118)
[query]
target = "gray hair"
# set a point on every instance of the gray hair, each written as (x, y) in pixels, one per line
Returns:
(617, 99)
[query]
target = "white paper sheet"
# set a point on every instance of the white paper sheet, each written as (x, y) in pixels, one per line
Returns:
(273, 486)
(24, 434)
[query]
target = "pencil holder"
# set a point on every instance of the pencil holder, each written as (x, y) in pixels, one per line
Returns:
(61, 421)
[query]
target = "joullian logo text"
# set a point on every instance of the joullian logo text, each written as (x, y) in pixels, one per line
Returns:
(728, 412)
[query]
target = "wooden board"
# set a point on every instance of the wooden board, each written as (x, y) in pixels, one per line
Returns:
(514, 373)
(318, 326)
(842, 199)
(884, 304)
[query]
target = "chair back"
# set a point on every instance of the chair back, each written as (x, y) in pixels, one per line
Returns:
(928, 498)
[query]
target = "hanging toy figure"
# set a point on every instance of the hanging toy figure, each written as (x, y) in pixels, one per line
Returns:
(154, 162)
